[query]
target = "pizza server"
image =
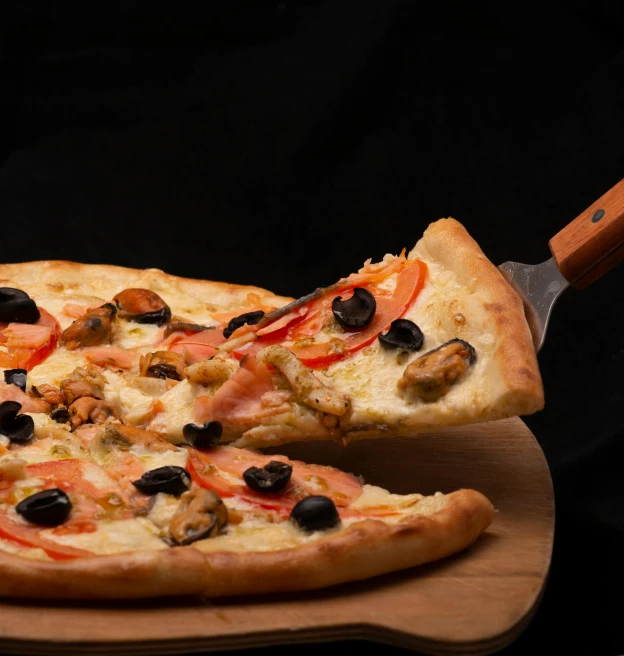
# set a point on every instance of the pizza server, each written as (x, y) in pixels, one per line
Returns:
(582, 252)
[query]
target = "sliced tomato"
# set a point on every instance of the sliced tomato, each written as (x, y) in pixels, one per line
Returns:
(209, 466)
(299, 329)
(410, 281)
(30, 344)
(286, 321)
(30, 536)
(70, 476)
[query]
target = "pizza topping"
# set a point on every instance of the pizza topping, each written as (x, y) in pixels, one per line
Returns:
(49, 394)
(273, 477)
(17, 306)
(142, 306)
(83, 381)
(306, 386)
(26, 336)
(46, 508)
(169, 479)
(403, 334)
(199, 346)
(29, 345)
(28, 403)
(357, 312)
(180, 326)
(314, 338)
(203, 437)
(18, 428)
(220, 469)
(239, 399)
(16, 377)
(213, 370)
(315, 513)
(87, 410)
(60, 414)
(110, 356)
(201, 514)
(122, 437)
(13, 469)
(93, 328)
(163, 364)
(433, 374)
(250, 318)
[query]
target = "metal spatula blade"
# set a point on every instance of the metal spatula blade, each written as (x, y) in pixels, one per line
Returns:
(539, 286)
(583, 251)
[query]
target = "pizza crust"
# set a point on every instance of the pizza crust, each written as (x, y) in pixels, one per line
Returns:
(104, 281)
(519, 390)
(363, 550)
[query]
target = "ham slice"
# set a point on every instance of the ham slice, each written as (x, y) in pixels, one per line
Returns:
(239, 399)
(13, 393)
(110, 356)
(28, 336)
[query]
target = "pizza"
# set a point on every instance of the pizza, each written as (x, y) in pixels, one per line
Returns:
(134, 403)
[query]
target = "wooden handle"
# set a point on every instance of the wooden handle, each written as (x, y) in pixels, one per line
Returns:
(594, 242)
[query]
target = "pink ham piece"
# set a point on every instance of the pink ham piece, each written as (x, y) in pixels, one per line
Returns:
(110, 356)
(239, 399)
(13, 393)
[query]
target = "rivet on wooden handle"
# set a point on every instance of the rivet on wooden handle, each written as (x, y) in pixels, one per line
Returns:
(594, 242)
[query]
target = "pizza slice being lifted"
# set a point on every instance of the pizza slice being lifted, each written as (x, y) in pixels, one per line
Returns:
(428, 339)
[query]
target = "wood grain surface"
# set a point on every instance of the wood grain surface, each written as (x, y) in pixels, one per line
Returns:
(472, 603)
(593, 243)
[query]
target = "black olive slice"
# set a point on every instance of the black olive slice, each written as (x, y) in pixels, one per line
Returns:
(12, 294)
(403, 334)
(16, 377)
(357, 312)
(16, 305)
(169, 479)
(47, 508)
(60, 414)
(315, 513)
(203, 437)
(273, 477)
(250, 318)
(18, 428)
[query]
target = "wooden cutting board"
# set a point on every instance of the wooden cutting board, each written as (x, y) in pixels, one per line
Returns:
(473, 603)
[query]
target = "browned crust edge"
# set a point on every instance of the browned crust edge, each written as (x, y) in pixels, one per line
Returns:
(449, 241)
(363, 550)
(64, 271)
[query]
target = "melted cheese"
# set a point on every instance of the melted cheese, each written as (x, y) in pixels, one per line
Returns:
(162, 511)
(112, 537)
(52, 443)
(369, 377)
(156, 459)
(178, 404)
(132, 335)
(258, 535)
(57, 366)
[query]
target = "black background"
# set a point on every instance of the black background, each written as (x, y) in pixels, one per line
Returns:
(282, 144)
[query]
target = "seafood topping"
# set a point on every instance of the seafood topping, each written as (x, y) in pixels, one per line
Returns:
(142, 306)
